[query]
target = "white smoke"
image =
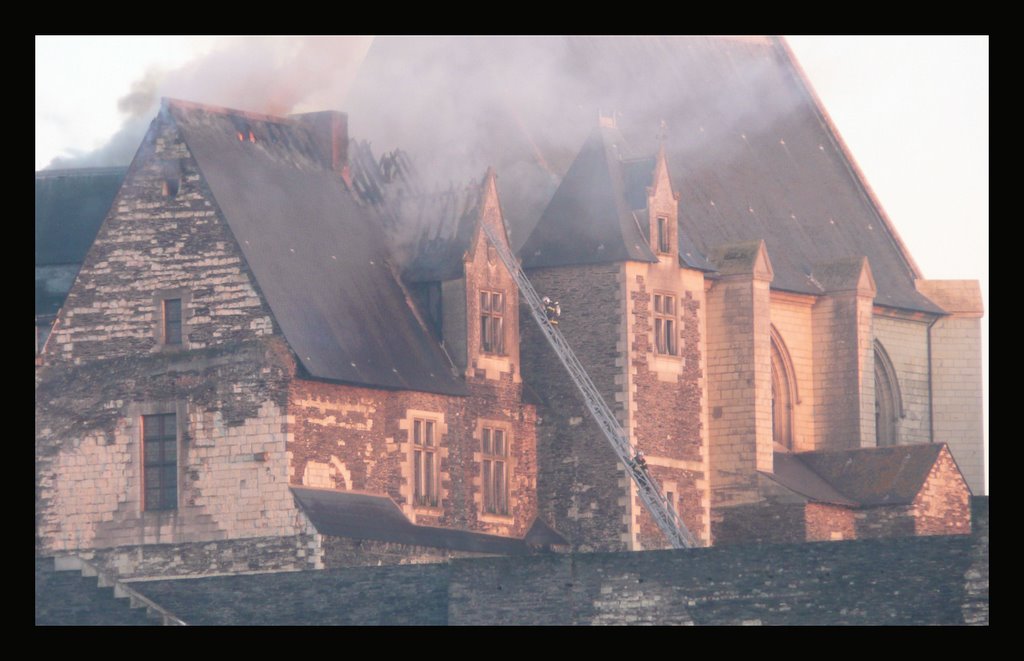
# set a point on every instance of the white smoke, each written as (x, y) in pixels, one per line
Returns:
(273, 75)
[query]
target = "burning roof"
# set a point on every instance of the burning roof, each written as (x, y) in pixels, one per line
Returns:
(317, 252)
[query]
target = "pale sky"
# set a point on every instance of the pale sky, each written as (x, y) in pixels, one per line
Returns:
(912, 110)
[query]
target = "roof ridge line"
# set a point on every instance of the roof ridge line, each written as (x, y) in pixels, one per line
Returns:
(168, 102)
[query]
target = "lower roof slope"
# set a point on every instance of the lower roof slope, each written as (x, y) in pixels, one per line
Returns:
(368, 516)
(863, 477)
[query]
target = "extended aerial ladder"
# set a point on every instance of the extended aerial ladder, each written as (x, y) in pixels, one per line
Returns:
(666, 517)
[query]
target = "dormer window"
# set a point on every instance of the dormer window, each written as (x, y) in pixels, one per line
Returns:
(663, 236)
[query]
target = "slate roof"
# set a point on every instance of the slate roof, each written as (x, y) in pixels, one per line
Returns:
(795, 475)
(590, 219)
(318, 254)
(863, 477)
(750, 151)
(70, 206)
(368, 516)
(876, 476)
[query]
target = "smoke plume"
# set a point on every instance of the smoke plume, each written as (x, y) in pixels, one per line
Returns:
(276, 76)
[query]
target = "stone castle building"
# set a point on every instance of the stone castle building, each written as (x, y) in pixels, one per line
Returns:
(280, 351)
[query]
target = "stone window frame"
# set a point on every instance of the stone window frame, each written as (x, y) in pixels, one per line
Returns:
(157, 460)
(888, 398)
(426, 483)
(159, 322)
(510, 471)
(671, 493)
(411, 509)
(488, 473)
(673, 345)
(785, 393)
(488, 318)
(137, 414)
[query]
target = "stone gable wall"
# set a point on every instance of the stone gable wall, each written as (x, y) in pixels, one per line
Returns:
(153, 245)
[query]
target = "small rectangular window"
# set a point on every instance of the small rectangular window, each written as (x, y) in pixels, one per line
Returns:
(424, 464)
(665, 341)
(495, 471)
(492, 328)
(160, 461)
(172, 321)
(663, 238)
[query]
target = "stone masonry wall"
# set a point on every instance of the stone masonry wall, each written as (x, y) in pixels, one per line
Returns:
(667, 419)
(344, 552)
(837, 376)
(865, 348)
(739, 387)
(909, 581)
(107, 366)
(581, 484)
(906, 343)
(229, 556)
(943, 506)
(760, 523)
(829, 523)
(351, 438)
(956, 397)
(232, 463)
(153, 245)
(791, 317)
(892, 581)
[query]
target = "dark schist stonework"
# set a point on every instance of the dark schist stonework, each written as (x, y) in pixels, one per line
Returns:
(580, 484)
(909, 581)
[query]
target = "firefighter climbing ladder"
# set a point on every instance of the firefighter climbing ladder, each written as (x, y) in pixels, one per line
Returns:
(650, 492)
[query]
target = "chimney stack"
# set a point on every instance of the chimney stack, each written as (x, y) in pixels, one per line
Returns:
(330, 130)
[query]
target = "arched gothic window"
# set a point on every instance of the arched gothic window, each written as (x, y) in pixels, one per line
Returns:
(888, 400)
(784, 393)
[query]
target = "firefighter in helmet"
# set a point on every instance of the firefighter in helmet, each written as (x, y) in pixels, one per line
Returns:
(552, 310)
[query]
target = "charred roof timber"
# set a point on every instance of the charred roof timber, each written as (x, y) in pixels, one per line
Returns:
(330, 131)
